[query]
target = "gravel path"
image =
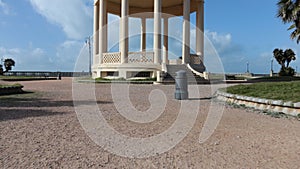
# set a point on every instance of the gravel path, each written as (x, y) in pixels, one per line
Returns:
(41, 130)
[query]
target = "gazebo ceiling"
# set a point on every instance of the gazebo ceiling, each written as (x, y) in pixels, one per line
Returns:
(173, 7)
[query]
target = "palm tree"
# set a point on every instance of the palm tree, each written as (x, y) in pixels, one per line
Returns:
(289, 55)
(8, 63)
(1, 70)
(279, 56)
(284, 58)
(289, 12)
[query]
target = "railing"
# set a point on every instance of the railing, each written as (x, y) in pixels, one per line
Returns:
(133, 57)
(112, 58)
(196, 72)
(141, 57)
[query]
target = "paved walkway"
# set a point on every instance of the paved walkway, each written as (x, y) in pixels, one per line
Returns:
(41, 130)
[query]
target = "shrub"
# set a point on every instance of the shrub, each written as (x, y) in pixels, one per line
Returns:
(1, 70)
(287, 71)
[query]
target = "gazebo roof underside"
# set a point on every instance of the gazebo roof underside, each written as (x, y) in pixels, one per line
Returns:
(172, 7)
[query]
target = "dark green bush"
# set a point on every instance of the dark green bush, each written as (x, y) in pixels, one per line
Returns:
(287, 71)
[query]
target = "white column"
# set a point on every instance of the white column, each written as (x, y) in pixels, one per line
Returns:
(157, 31)
(166, 41)
(143, 34)
(124, 31)
(105, 28)
(96, 35)
(186, 32)
(200, 28)
(102, 32)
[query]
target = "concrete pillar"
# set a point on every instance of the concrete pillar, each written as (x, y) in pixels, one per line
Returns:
(124, 31)
(166, 41)
(200, 28)
(143, 34)
(102, 29)
(96, 35)
(157, 31)
(105, 28)
(186, 32)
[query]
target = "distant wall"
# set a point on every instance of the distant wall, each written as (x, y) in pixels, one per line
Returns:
(46, 74)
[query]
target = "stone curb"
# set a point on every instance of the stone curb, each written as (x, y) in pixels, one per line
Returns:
(289, 108)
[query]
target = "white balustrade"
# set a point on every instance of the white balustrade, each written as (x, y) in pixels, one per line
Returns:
(141, 57)
(112, 58)
(133, 57)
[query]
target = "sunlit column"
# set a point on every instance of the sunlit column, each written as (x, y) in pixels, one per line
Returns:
(186, 31)
(102, 32)
(200, 28)
(124, 31)
(157, 31)
(96, 34)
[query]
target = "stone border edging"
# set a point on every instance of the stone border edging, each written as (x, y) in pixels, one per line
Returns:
(289, 108)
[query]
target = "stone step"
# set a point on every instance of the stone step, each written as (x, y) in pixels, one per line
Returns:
(192, 78)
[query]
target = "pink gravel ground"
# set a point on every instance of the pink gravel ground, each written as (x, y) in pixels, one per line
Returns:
(41, 130)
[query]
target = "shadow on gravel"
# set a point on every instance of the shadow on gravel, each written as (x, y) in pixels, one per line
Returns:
(30, 102)
(18, 107)
(204, 98)
(14, 114)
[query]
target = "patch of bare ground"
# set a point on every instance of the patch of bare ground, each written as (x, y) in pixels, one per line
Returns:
(42, 131)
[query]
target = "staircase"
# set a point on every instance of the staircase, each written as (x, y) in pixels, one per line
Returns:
(169, 78)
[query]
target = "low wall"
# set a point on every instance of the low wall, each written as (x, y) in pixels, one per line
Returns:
(289, 108)
(46, 74)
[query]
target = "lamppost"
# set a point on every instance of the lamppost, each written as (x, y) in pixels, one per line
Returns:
(272, 71)
(272, 65)
(2, 60)
(248, 68)
(88, 42)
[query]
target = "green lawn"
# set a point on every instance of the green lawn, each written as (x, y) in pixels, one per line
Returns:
(286, 91)
(15, 77)
(9, 85)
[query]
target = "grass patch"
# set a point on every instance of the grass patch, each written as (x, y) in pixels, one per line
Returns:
(10, 85)
(143, 80)
(16, 77)
(117, 80)
(286, 91)
(274, 79)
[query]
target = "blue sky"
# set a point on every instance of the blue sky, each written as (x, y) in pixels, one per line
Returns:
(48, 35)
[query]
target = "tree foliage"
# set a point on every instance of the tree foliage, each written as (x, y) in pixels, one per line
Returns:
(284, 58)
(8, 64)
(1, 70)
(289, 12)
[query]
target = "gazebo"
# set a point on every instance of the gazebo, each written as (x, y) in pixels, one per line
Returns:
(126, 64)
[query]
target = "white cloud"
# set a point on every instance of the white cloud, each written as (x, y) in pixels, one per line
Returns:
(4, 8)
(74, 16)
(67, 54)
(37, 52)
(222, 42)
